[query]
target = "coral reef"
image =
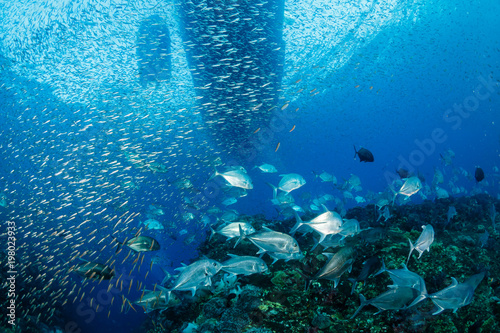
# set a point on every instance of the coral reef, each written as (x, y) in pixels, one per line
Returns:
(285, 299)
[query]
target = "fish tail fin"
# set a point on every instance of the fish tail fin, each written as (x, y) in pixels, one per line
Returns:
(354, 283)
(118, 242)
(394, 198)
(411, 250)
(307, 279)
(315, 245)
(355, 151)
(382, 269)
(212, 233)
(216, 173)
(363, 302)
(242, 236)
(275, 190)
(298, 224)
(418, 299)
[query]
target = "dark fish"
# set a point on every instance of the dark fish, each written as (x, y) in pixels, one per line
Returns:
(479, 174)
(403, 173)
(370, 266)
(364, 155)
(373, 235)
(94, 270)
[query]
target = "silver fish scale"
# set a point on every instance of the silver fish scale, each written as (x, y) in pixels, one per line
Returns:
(197, 275)
(273, 241)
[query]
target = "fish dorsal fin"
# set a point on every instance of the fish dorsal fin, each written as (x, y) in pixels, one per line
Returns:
(266, 228)
(180, 269)
(261, 250)
(233, 255)
(329, 255)
(161, 288)
(324, 207)
(454, 282)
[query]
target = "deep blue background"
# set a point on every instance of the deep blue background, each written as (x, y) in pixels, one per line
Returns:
(393, 91)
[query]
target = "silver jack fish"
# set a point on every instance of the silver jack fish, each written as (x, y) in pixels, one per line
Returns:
(140, 244)
(94, 270)
(245, 265)
(196, 275)
(338, 264)
(423, 242)
(271, 241)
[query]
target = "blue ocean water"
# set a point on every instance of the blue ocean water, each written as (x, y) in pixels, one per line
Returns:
(103, 122)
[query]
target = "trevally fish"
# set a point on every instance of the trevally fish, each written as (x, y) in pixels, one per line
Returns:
(452, 212)
(157, 300)
(359, 199)
(154, 210)
(337, 265)
(457, 294)
(266, 168)
(386, 214)
(411, 186)
(152, 224)
(140, 244)
(271, 241)
(94, 270)
(290, 182)
(245, 265)
(157, 167)
(237, 177)
(324, 224)
(281, 198)
(438, 177)
(423, 242)
(229, 201)
(196, 275)
(447, 156)
(441, 193)
(353, 183)
(232, 229)
(229, 215)
(406, 278)
(349, 227)
(326, 177)
(394, 299)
